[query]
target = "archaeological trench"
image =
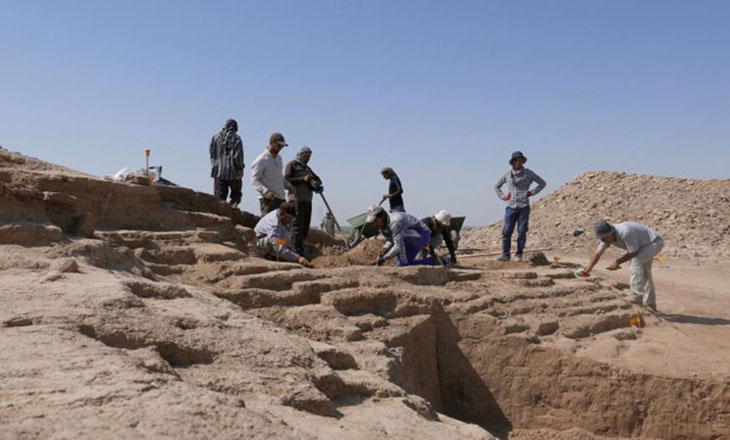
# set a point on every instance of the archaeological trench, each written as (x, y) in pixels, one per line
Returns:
(144, 311)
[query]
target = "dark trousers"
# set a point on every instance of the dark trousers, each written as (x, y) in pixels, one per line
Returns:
(512, 217)
(300, 225)
(397, 208)
(221, 187)
(269, 205)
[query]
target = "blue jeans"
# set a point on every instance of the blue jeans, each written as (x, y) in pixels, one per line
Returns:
(414, 242)
(512, 217)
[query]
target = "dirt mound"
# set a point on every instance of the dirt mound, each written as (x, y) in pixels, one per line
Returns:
(691, 215)
(364, 254)
(15, 161)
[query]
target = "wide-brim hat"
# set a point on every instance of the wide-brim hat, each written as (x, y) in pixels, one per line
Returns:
(516, 155)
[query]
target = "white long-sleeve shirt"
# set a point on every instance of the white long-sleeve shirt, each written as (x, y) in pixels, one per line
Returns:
(267, 174)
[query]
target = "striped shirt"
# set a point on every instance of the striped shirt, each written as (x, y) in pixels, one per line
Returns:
(226, 156)
(518, 185)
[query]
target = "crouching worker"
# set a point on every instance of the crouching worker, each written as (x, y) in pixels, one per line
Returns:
(406, 237)
(641, 245)
(273, 234)
(442, 232)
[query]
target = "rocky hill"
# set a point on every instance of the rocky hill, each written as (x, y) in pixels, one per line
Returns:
(693, 216)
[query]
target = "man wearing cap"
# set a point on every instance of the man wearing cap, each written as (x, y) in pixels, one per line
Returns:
(267, 175)
(518, 180)
(226, 162)
(395, 190)
(641, 245)
(405, 235)
(273, 233)
(305, 182)
(441, 232)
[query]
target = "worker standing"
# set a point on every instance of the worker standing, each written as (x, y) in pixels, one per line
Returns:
(518, 180)
(267, 175)
(441, 232)
(395, 190)
(273, 234)
(641, 245)
(305, 183)
(226, 161)
(406, 237)
(328, 224)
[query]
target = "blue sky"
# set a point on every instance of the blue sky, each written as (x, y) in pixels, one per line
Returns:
(441, 91)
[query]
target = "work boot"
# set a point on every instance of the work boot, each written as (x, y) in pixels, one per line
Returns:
(503, 258)
(518, 258)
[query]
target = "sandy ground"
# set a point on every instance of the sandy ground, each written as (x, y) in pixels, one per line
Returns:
(694, 339)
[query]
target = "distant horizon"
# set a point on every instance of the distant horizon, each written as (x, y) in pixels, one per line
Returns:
(442, 92)
(346, 227)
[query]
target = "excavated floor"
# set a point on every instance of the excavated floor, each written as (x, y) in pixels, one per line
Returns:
(493, 345)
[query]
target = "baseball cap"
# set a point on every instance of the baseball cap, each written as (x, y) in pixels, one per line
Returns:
(277, 138)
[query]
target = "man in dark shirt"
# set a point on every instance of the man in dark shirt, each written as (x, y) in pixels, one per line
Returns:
(305, 182)
(395, 190)
(441, 232)
(226, 160)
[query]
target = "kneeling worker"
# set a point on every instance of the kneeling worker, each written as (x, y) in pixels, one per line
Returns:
(273, 233)
(641, 245)
(441, 232)
(405, 235)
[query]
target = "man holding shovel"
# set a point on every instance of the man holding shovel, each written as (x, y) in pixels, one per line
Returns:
(641, 245)
(305, 183)
(518, 180)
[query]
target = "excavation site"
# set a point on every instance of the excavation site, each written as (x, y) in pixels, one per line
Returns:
(133, 311)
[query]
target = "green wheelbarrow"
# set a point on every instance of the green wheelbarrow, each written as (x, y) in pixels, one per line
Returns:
(361, 229)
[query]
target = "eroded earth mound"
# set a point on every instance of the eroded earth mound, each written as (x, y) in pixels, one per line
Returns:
(144, 312)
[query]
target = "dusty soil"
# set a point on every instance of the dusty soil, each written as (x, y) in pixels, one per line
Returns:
(691, 215)
(162, 322)
(364, 254)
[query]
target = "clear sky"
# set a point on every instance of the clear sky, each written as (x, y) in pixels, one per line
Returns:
(442, 92)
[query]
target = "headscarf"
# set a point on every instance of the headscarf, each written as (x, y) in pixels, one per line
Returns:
(228, 136)
(302, 155)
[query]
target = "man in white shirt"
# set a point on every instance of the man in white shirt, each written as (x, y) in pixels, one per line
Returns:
(267, 175)
(641, 245)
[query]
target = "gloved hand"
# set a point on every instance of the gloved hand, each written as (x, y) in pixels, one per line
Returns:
(530, 194)
(507, 196)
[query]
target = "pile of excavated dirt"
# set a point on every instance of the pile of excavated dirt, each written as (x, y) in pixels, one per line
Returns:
(165, 324)
(691, 215)
(364, 254)
(15, 161)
